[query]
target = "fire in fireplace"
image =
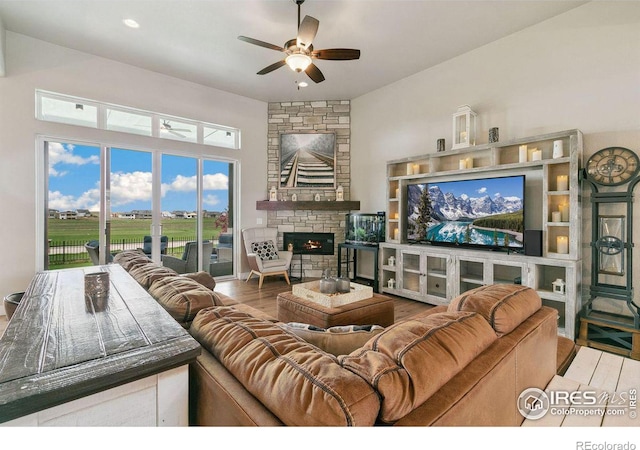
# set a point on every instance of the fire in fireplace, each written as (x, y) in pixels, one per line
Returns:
(309, 243)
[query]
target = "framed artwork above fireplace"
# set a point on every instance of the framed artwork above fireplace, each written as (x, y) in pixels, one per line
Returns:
(308, 160)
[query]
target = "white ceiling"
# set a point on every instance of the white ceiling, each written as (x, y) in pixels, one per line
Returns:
(196, 40)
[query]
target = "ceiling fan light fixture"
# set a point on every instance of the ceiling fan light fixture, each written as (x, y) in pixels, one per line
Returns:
(298, 61)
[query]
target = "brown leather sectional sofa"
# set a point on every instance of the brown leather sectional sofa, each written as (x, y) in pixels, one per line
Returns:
(463, 365)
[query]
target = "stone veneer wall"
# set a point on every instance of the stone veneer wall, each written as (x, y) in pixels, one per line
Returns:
(308, 117)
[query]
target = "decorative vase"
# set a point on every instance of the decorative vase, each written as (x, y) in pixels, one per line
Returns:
(343, 285)
(493, 135)
(327, 283)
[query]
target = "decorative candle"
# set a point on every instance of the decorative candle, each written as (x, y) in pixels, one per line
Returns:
(396, 216)
(409, 169)
(416, 169)
(396, 234)
(463, 137)
(562, 242)
(536, 155)
(556, 217)
(558, 151)
(564, 212)
(469, 163)
(462, 164)
(562, 182)
(397, 193)
(522, 152)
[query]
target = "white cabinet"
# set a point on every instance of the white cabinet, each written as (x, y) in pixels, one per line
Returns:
(418, 273)
(552, 205)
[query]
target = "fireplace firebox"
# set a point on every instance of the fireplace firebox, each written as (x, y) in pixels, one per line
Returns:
(309, 243)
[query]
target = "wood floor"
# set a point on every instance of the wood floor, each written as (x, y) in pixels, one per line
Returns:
(265, 299)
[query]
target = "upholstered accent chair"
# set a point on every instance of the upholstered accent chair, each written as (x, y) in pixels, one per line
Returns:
(263, 255)
(189, 261)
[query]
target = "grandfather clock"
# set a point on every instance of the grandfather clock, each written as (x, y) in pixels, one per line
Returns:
(610, 320)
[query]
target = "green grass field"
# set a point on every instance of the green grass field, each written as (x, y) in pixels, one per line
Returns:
(86, 229)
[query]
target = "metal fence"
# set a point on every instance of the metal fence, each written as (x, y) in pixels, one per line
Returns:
(73, 252)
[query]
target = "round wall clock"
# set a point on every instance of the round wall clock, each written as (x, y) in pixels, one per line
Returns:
(613, 166)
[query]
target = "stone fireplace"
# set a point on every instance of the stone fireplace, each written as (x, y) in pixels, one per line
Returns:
(307, 215)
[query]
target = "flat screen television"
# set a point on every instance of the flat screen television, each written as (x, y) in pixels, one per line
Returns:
(484, 213)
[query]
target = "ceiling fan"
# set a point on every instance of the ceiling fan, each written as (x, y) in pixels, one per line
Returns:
(300, 52)
(175, 131)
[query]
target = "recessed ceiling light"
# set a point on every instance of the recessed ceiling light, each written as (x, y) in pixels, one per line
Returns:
(303, 84)
(131, 23)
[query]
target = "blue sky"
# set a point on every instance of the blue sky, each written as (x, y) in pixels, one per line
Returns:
(74, 174)
(505, 186)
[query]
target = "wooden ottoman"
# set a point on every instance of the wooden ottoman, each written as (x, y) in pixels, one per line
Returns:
(377, 310)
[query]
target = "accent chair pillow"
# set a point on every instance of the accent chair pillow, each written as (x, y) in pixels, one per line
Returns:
(266, 250)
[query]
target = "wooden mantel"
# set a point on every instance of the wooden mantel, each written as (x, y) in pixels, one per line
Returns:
(308, 205)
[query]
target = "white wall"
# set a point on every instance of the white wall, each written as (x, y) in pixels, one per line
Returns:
(32, 64)
(578, 70)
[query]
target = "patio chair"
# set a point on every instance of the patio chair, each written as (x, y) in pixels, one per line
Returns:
(263, 256)
(189, 261)
(93, 248)
(146, 245)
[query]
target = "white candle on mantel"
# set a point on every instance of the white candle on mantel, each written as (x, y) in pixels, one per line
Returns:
(416, 169)
(409, 169)
(536, 155)
(469, 163)
(522, 153)
(556, 217)
(564, 212)
(396, 234)
(398, 193)
(562, 243)
(562, 182)
(396, 216)
(462, 164)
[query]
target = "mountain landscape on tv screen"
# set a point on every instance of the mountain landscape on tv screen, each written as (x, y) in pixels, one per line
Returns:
(474, 216)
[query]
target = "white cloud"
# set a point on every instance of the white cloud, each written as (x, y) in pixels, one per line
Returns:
(130, 187)
(63, 154)
(212, 182)
(482, 190)
(210, 200)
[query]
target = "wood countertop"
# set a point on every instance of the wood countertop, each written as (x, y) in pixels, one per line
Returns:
(59, 347)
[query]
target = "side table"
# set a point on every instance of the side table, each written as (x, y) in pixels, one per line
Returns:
(348, 261)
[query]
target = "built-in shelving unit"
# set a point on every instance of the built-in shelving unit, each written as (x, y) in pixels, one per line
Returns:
(435, 274)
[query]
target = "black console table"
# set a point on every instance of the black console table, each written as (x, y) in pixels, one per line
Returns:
(355, 247)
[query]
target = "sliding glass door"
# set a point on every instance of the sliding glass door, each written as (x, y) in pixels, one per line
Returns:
(102, 200)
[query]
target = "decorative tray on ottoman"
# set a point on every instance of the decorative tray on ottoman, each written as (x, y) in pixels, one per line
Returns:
(311, 291)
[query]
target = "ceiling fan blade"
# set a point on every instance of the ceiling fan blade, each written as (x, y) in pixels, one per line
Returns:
(336, 54)
(314, 73)
(261, 43)
(272, 67)
(307, 31)
(177, 134)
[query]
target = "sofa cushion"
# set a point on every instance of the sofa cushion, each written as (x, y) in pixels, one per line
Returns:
(146, 274)
(276, 366)
(266, 250)
(504, 306)
(202, 277)
(338, 340)
(411, 360)
(131, 258)
(182, 297)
